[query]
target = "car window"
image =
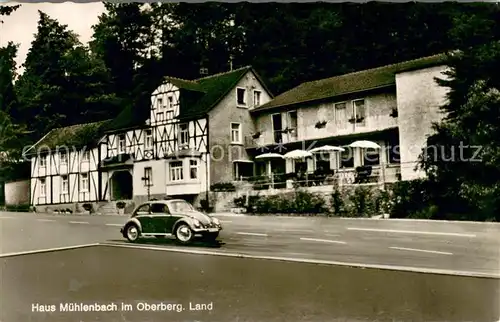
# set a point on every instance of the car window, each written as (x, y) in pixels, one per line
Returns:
(144, 209)
(180, 206)
(158, 208)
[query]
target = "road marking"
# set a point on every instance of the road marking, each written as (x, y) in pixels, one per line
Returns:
(324, 240)
(46, 220)
(252, 234)
(412, 232)
(47, 250)
(6, 217)
(421, 250)
(118, 225)
(78, 222)
(308, 261)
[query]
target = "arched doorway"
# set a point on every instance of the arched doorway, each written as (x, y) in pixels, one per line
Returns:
(121, 185)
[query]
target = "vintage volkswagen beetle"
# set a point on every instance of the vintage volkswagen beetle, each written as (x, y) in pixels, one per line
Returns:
(175, 217)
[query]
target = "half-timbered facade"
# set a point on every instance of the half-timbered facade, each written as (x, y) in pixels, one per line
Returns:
(180, 147)
(64, 166)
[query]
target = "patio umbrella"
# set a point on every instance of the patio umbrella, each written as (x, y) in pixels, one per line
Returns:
(363, 144)
(327, 148)
(297, 154)
(269, 156)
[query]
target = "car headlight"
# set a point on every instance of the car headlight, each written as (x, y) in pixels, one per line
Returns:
(216, 221)
(196, 223)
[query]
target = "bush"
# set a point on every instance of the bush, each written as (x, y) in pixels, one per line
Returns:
(362, 203)
(337, 204)
(20, 208)
(411, 198)
(240, 202)
(120, 204)
(299, 202)
(223, 186)
(87, 207)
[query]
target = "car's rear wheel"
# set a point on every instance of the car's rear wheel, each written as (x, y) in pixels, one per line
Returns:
(184, 234)
(132, 233)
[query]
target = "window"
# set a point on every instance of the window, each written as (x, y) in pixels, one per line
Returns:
(359, 111)
(121, 143)
(160, 117)
(193, 169)
(169, 114)
(347, 159)
(86, 156)
(242, 170)
(64, 184)
(148, 140)
(63, 157)
(256, 98)
(277, 128)
(241, 96)
(183, 135)
(393, 153)
(159, 208)
(292, 125)
(84, 182)
(159, 103)
(148, 177)
(340, 115)
(236, 133)
(43, 187)
(176, 171)
(144, 209)
(43, 161)
(371, 157)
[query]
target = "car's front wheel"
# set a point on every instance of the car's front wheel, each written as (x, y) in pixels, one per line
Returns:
(184, 234)
(132, 233)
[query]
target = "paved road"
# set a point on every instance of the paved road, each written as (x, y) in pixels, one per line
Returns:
(457, 248)
(239, 289)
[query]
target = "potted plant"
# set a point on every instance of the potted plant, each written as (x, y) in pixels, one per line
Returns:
(394, 113)
(256, 135)
(320, 124)
(87, 207)
(121, 207)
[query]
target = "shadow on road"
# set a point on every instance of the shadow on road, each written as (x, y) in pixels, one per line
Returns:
(170, 242)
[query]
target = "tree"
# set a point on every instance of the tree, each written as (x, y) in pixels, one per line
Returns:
(63, 82)
(463, 156)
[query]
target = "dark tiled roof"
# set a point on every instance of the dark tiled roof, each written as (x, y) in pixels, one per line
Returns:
(215, 87)
(77, 136)
(208, 91)
(350, 83)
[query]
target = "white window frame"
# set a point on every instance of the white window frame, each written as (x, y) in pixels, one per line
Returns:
(240, 134)
(255, 103)
(193, 165)
(354, 109)
(159, 103)
(245, 99)
(176, 173)
(86, 156)
(120, 150)
(84, 182)
(148, 173)
(341, 122)
(63, 160)
(43, 187)
(183, 135)
(43, 161)
(170, 111)
(64, 184)
(148, 139)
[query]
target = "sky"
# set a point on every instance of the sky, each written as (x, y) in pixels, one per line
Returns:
(21, 26)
